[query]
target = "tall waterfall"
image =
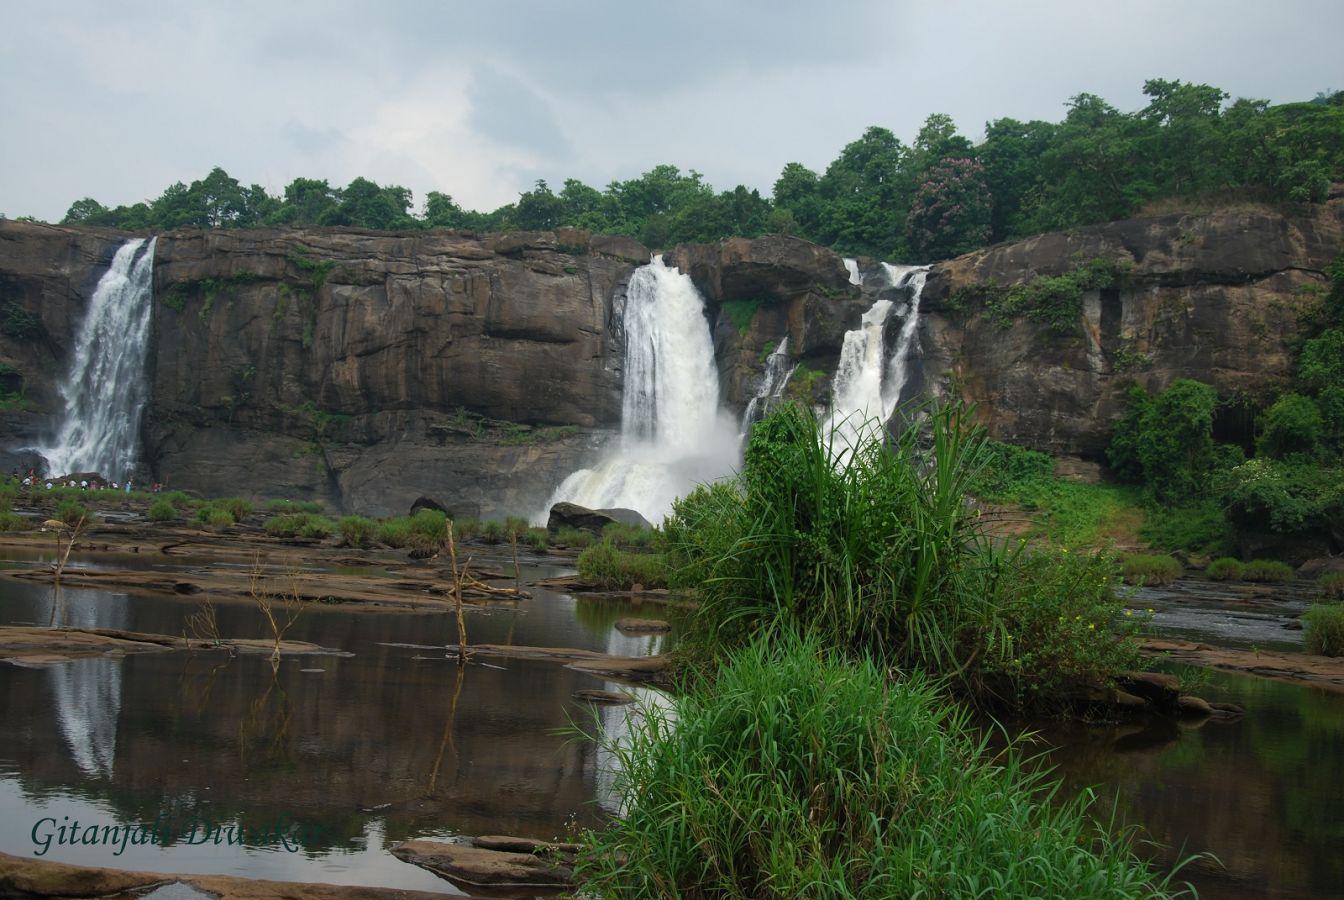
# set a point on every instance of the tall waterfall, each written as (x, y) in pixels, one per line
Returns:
(868, 381)
(105, 388)
(778, 370)
(673, 433)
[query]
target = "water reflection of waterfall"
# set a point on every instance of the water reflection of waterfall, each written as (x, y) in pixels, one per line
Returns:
(674, 434)
(87, 692)
(617, 721)
(105, 388)
(868, 380)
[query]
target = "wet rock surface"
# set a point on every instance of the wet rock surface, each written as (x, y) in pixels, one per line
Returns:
(494, 861)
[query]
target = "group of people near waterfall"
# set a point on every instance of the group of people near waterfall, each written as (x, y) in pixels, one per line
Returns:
(33, 480)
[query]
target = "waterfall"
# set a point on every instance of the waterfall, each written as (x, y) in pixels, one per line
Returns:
(778, 370)
(105, 389)
(867, 384)
(852, 267)
(673, 433)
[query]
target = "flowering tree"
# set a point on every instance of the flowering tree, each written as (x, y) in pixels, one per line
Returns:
(950, 213)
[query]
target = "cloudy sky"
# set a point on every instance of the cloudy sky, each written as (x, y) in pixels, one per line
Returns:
(117, 100)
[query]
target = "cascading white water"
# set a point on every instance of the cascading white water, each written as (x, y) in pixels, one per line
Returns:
(778, 370)
(105, 388)
(673, 433)
(867, 385)
(852, 267)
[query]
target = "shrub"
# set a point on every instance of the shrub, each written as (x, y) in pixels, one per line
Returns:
(492, 532)
(161, 510)
(878, 555)
(214, 517)
(1166, 441)
(797, 773)
(515, 527)
(357, 531)
(305, 525)
(538, 539)
(280, 507)
(1331, 586)
(1292, 426)
(72, 512)
(625, 535)
(466, 529)
(180, 499)
(238, 507)
(395, 532)
(1265, 495)
(610, 568)
(1148, 570)
(12, 521)
(431, 525)
(1323, 629)
(1199, 528)
(1225, 569)
(575, 538)
(1267, 570)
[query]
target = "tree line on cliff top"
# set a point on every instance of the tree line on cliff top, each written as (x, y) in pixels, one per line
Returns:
(937, 197)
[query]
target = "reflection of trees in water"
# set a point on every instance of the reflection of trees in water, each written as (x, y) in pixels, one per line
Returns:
(87, 692)
(263, 731)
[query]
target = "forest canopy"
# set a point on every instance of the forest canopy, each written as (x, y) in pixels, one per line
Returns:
(934, 198)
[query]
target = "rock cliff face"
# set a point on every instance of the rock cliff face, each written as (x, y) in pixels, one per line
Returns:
(368, 369)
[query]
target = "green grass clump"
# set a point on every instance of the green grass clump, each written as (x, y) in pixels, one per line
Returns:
(466, 529)
(281, 507)
(213, 516)
(1225, 569)
(515, 527)
(357, 531)
(161, 510)
(1267, 570)
(538, 539)
(625, 535)
(877, 553)
(179, 499)
(574, 538)
(238, 507)
(492, 532)
(797, 772)
(1331, 586)
(72, 512)
(1323, 629)
(1202, 528)
(1150, 570)
(12, 521)
(612, 569)
(395, 533)
(430, 525)
(305, 525)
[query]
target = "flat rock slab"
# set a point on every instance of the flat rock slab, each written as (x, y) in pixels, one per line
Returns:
(27, 645)
(642, 626)
(483, 867)
(24, 877)
(623, 668)
(1324, 671)
(614, 698)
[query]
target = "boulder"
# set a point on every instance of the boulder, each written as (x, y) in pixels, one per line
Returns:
(484, 867)
(1158, 688)
(642, 626)
(571, 515)
(1321, 565)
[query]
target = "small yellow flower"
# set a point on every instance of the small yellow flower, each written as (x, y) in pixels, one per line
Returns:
(1091, 627)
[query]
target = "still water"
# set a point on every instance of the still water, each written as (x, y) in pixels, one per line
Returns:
(387, 745)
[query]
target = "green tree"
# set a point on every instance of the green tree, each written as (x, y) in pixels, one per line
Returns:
(950, 212)
(1167, 441)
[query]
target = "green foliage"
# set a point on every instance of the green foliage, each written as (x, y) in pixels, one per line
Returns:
(1054, 301)
(1323, 629)
(1267, 570)
(1009, 470)
(877, 553)
(214, 516)
(610, 568)
(1150, 570)
(797, 773)
(1225, 569)
(18, 323)
(803, 384)
(626, 535)
(1200, 527)
(574, 538)
(306, 525)
(1320, 365)
(238, 507)
(179, 499)
(12, 521)
(1291, 427)
(1167, 441)
(466, 529)
(357, 531)
(72, 512)
(1331, 586)
(950, 211)
(537, 538)
(492, 531)
(162, 510)
(741, 312)
(515, 526)
(1266, 495)
(279, 506)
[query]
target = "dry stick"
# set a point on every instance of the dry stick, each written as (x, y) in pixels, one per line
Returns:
(58, 568)
(517, 574)
(457, 599)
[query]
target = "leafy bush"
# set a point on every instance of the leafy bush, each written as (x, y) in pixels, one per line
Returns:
(12, 521)
(1225, 569)
(613, 569)
(305, 525)
(1197, 528)
(538, 539)
(1292, 426)
(430, 524)
(1009, 470)
(1166, 442)
(282, 507)
(1053, 300)
(1323, 629)
(180, 499)
(797, 773)
(1148, 570)
(214, 516)
(72, 512)
(1320, 366)
(1331, 586)
(575, 538)
(395, 532)
(876, 553)
(162, 510)
(1265, 495)
(238, 507)
(357, 531)
(1267, 570)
